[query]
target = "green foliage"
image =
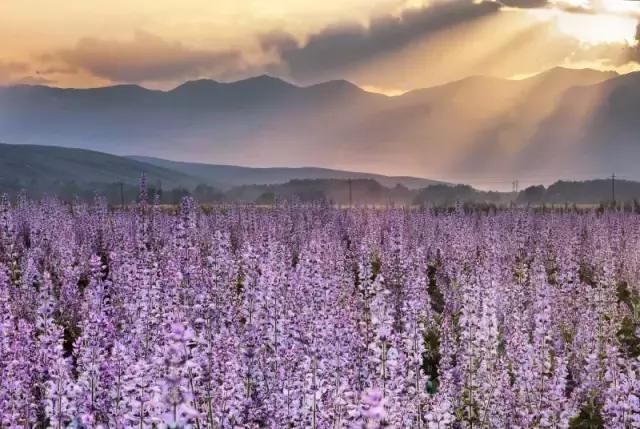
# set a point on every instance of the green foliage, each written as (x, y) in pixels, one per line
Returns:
(356, 276)
(83, 282)
(532, 195)
(71, 334)
(630, 298)
(239, 286)
(590, 417)
(206, 194)
(435, 295)
(376, 265)
(468, 410)
(431, 358)
(448, 196)
(551, 268)
(628, 338)
(266, 198)
(586, 274)
(567, 333)
(630, 324)
(623, 293)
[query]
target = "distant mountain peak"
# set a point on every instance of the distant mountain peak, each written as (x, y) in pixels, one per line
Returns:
(121, 89)
(545, 124)
(263, 82)
(197, 84)
(587, 70)
(263, 78)
(253, 85)
(338, 85)
(586, 76)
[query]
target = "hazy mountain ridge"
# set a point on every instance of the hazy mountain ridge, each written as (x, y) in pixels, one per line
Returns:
(227, 176)
(27, 165)
(468, 128)
(65, 171)
(78, 173)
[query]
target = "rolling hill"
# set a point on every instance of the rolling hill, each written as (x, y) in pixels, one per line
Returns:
(45, 166)
(228, 176)
(77, 173)
(68, 172)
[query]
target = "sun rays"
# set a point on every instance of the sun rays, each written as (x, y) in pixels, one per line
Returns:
(592, 28)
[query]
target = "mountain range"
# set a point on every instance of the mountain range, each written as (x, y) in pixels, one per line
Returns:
(560, 123)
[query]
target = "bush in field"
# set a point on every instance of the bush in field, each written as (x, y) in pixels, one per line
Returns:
(316, 317)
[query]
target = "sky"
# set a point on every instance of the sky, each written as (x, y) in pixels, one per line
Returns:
(387, 46)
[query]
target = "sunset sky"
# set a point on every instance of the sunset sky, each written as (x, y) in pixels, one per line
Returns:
(385, 45)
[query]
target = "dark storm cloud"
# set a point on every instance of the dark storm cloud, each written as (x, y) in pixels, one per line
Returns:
(146, 58)
(340, 47)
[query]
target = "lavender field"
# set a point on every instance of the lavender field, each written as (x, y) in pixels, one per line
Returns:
(317, 317)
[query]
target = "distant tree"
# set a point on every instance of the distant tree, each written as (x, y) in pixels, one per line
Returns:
(207, 194)
(309, 195)
(266, 198)
(175, 196)
(532, 195)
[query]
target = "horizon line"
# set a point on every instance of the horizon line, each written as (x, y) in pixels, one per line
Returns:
(370, 89)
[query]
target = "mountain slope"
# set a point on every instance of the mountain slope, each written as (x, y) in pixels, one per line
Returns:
(559, 123)
(227, 176)
(48, 169)
(47, 165)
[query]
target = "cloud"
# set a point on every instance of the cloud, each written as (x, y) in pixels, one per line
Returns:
(340, 47)
(634, 49)
(525, 4)
(54, 70)
(8, 71)
(146, 58)
(18, 73)
(31, 80)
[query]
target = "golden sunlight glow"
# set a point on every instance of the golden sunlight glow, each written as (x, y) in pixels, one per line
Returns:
(43, 41)
(598, 28)
(390, 92)
(621, 7)
(618, 6)
(593, 28)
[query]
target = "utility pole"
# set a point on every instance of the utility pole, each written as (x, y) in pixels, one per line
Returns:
(514, 191)
(613, 188)
(122, 195)
(350, 194)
